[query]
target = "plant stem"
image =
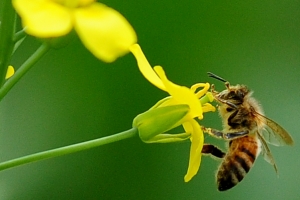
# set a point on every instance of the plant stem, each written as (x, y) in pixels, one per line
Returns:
(19, 35)
(68, 149)
(7, 31)
(23, 69)
(18, 39)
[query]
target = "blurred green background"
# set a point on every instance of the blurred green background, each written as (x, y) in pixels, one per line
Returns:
(69, 96)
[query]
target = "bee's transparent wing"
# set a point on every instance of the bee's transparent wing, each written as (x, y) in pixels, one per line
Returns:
(274, 134)
(266, 152)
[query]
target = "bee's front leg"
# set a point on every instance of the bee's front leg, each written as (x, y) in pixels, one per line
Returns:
(226, 136)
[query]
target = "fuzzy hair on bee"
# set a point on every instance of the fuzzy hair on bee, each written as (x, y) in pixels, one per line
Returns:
(246, 117)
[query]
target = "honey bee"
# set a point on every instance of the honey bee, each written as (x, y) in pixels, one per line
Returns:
(248, 132)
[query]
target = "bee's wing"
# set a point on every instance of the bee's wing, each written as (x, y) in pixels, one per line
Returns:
(266, 152)
(274, 134)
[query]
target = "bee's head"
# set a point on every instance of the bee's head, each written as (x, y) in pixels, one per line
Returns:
(233, 95)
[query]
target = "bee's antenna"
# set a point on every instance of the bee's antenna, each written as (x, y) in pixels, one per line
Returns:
(216, 77)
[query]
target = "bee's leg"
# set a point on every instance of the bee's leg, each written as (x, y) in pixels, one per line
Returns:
(212, 89)
(227, 85)
(213, 150)
(222, 100)
(226, 136)
(213, 132)
(230, 104)
(230, 136)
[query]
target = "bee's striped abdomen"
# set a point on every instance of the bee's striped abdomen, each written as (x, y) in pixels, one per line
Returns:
(237, 162)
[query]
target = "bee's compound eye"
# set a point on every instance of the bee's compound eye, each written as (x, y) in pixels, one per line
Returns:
(229, 109)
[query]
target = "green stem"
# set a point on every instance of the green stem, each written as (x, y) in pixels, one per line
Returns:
(17, 44)
(19, 35)
(7, 31)
(68, 149)
(23, 69)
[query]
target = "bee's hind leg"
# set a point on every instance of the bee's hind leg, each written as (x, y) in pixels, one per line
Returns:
(213, 150)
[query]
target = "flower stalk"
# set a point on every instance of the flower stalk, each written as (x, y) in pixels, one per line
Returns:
(26, 66)
(7, 31)
(19, 35)
(68, 149)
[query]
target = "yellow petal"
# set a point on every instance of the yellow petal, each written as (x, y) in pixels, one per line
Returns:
(181, 94)
(84, 2)
(145, 67)
(197, 141)
(44, 18)
(208, 108)
(10, 72)
(74, 3)
(104, 31)
(202, 92)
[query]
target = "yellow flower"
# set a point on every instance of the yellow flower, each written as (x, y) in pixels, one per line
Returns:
(187, 106)
(10, 72)
(103, 30)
